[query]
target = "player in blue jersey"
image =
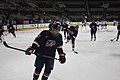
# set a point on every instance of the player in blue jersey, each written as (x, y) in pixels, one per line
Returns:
(11, 29)
(93, 30)
(46, 43)
(65, 27)
(72, 34)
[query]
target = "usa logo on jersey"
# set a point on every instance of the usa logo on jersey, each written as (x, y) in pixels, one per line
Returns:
(50, 43)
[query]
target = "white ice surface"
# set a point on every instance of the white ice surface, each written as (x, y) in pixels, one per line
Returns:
(96, 60)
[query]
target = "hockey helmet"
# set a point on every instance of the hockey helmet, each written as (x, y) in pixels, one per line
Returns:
(56, 26)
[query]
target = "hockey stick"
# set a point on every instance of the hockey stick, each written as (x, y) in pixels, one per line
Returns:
(6, 45)
(113, 38)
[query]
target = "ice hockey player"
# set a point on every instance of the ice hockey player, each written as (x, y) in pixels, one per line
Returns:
(46, 43)
(11, 29)
(65, 27)
(76, 28)
(1, 32)
(72, 34)
(93, 30)
(114, 22)
(84, 24)
(118, 33)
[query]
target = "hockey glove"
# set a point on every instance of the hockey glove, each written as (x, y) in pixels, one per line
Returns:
(29, 51)
(62, 58)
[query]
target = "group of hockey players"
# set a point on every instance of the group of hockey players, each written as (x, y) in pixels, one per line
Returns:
(48, 41)
(94, 27)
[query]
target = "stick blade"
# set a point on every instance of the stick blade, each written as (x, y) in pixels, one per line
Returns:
(111, 40)
(4, 42)
(76, 52)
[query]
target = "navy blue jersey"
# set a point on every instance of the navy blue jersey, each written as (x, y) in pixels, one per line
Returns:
(65, 26)
(76, 30)
(118, 27)
(47, 43)
(73, 31)
(93, 26)
(10, 28)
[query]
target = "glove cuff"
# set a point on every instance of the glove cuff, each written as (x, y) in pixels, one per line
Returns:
(62, 54)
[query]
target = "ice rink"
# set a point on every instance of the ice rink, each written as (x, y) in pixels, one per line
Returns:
(96, 60)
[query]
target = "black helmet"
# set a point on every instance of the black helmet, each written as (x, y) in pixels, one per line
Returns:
(56, 26)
